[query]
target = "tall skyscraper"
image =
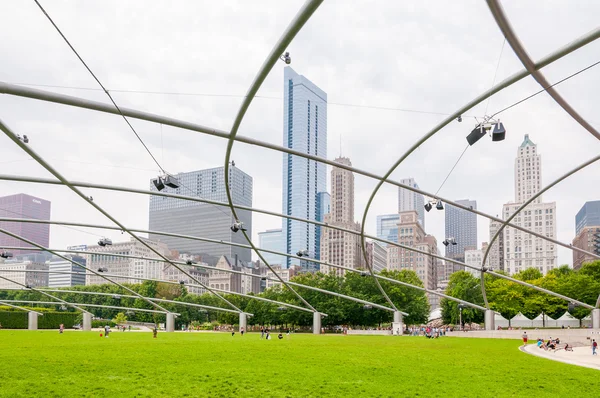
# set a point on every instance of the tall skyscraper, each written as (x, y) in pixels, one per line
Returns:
(387, 227)
(305, 130)
(528, 171)
(202, 219)
(338, 247)
(272, 239)
(522, 250)
(496, 254)
(587, 230)
(462, 226)
(24, 206)
(409, 200)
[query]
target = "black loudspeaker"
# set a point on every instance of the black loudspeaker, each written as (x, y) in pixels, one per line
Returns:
(476, 134)
(158, 183)
(499, 132)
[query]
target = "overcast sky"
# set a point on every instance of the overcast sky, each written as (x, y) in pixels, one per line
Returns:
(429, 56)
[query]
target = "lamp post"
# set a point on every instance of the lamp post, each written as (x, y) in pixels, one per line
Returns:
(460, 308)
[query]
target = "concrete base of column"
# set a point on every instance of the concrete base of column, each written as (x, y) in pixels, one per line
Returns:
(170, 325)
(596, 318)
(489, 320)
(87, 322)
(398, 325)
(32, 320)
(242, 322)
(316, 323)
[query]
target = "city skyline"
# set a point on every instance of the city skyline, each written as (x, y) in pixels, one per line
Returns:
(485, 173)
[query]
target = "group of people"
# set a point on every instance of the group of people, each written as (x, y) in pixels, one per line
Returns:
(428, 331)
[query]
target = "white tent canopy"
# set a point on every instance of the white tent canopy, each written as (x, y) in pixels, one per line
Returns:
(521, 321)
(567, 320)
(500, 321)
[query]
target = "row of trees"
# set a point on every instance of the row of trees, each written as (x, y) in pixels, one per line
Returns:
(509, 298)
(340, 311)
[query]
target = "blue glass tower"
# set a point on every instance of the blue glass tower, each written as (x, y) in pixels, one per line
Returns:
(305, 130)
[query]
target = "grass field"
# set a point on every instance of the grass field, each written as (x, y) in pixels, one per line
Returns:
(45, 363)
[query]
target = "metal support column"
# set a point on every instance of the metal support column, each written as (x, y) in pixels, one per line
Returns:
(32, 318)
(596, 318)
(170, 325)
(316, 323)
(243, 321)
(87, 322)
(398, 325)
(489, 320)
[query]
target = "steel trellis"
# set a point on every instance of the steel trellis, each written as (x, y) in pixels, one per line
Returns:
(262, 211)
(586, 39)
(93, 306)
(12, 89)
(84, 292)
(64, 181)
(346, 297)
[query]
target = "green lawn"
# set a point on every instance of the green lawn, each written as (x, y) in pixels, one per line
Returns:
(45, 363)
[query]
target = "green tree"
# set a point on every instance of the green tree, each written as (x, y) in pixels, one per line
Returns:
(120, 319)
(462, 285)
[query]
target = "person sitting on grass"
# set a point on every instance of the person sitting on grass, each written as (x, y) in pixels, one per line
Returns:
(280, 336)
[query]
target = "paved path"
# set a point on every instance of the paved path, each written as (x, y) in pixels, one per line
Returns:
(581, 356)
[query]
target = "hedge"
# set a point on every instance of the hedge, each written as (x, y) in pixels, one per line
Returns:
(50, 320)
(100, 323)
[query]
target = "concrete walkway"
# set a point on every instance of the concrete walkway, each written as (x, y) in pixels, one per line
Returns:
(581, 356)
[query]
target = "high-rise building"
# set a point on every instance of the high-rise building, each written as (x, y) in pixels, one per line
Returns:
(522, 250)
(462, 226)
(410, 233)
(474, 258)
(587, 230)
(587, 216)
(24, 206)
(204, 220)
(338, 247)
(387, 227)
(103, 257)
(272, 239)
(377, 255)
(496, 254)
(528, 172)
(409, 200)
(587, 239)
(24, 273)
(304, 130)
(284, 273)
(63, 273)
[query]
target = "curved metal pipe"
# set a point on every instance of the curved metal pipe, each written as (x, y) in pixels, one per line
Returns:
(19, 308)
(40, 247)
(288, 35)
(184, 303)
(518, 211)
(90, 201)
(60, 301)
(93, 305)
(512, 39)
